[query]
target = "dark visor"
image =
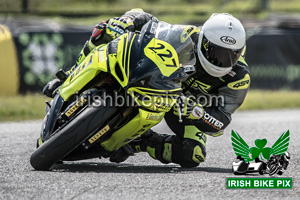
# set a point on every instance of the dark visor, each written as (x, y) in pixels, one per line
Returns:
(220, 56)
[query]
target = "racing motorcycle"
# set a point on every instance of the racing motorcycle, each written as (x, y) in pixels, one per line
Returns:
(117, 93)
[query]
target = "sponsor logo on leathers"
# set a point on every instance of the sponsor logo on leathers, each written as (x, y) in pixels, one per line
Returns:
(197, 112)
(240, 84)
(201, 86)
(207, 118)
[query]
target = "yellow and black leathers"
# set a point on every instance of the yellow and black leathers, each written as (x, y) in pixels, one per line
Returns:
(216, 97)
(219, 96)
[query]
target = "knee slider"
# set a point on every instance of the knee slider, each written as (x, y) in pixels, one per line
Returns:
(195, 153)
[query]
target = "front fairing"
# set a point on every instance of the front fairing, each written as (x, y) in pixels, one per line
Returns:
(84, 73)
(159, 57)
(161, 52)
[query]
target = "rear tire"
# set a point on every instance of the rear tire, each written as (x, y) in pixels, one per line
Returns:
(65, 140)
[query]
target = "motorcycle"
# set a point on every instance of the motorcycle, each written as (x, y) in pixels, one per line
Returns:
(116, 94)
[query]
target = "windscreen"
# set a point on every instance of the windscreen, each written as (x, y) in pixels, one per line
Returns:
(179, 39)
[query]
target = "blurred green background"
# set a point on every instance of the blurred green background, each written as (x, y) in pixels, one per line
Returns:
(91, 12)
(172, 11)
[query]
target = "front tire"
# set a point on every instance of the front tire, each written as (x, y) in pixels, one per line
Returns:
(65, 140)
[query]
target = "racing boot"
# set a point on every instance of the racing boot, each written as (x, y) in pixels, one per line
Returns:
(145, 143)
(152, 143)
(121, 154)
(148, 139)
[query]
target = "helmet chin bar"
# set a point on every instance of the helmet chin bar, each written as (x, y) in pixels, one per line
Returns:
(211, 69)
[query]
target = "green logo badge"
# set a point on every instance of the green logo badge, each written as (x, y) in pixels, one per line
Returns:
(260, 150)
(267, 160)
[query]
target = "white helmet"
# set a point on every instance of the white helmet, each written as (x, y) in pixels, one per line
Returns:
(221, 42)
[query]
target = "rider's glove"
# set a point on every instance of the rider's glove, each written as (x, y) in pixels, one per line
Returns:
(118, 26)
(184, 106)
(188, 108)
(95, 40)
(98, 32)
(51, 86)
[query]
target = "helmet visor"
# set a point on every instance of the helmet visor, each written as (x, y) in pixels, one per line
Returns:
(220, 56)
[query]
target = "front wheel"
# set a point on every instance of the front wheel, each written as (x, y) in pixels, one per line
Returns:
(68, 138)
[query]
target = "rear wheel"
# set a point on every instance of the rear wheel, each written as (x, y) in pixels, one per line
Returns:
(65, 140)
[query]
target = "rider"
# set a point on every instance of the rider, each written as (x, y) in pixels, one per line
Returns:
(222, 78)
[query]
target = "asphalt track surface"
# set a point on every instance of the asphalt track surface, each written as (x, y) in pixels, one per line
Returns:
(141, 177)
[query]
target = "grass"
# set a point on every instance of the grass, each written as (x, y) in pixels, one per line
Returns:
(265, 100)
(172, 11)
(22, 107)
(32, 106)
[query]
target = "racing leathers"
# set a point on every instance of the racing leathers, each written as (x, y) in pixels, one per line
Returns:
(216, 99)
